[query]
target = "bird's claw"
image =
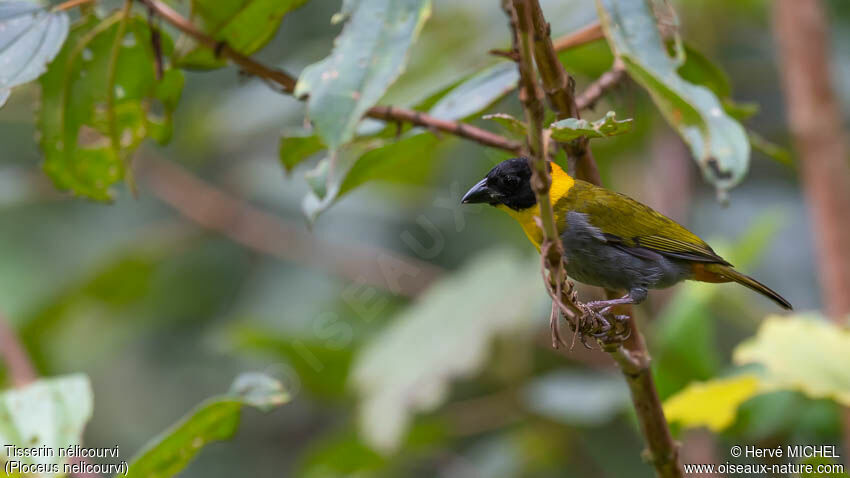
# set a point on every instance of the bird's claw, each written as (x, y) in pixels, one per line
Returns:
(606, 330)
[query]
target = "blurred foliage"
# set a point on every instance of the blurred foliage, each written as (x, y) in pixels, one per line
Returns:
(244, 25)
(100, 98)
(51, 413)
(458, 382)
(718, 142)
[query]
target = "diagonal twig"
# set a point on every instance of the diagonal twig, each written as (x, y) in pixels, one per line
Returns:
(286, 84)
(269, 234)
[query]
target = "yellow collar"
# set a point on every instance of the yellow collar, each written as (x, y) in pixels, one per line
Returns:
(561, 185)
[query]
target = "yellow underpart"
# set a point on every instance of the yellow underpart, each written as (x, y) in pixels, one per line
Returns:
(561, 185)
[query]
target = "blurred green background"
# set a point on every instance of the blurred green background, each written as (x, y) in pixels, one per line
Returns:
(162, 313)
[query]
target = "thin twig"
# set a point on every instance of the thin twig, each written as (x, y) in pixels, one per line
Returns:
(245, 224)
(582, 36)
(610, 79)
(287, 82)
(71, 4)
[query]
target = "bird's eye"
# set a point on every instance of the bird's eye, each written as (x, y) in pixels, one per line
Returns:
(511, 182)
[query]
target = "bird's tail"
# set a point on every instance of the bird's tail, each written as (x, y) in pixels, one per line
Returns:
(724, 273)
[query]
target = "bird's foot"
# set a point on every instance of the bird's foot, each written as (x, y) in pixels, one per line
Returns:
(596, 320)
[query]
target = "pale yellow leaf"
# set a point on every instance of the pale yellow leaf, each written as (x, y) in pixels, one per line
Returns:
(713, 404)
(806, 353)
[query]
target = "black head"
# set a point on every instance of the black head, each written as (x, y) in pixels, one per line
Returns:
(509, 183)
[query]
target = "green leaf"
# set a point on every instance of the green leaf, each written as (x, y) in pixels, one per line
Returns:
(806, 353)
(245, 25)
(713, 404)
(368, 56)
(30, 37)
(100, 98)
(445, 335)
(717, 142)
(572, 128)
(405, 160)
(699, 70)
(295, 149)
(477, 92)
(771, 150)
(49, 412)
(213, 420)
(514, 126)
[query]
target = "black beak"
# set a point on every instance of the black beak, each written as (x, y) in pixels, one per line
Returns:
(478, 193)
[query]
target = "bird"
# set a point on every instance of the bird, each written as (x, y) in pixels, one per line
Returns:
(609, 239)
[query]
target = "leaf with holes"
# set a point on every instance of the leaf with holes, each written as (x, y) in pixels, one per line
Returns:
(100, 99)
(245, 25)
(572, 128)
(30, 37)
(368, 56)
(214, 420)
(717, 141)
(50, 412)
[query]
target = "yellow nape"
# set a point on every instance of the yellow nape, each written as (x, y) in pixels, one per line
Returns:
(561, 185)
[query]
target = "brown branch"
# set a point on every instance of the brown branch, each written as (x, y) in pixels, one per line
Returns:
(71, 4)
(582, 36)
(286, 83)
(268, 234)
(802, 35)
(560, 91)
(14, 355)
(632, 356)
(463, 130)
(605, 83)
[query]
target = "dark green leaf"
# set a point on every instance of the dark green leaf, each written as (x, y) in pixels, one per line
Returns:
(572, 128)
(404, 160)
(214, 420)
(245, 25)
(772, 150)
(295, 149)
(718, 142)
(699, 70)
(100, 99)
(30, 37)
(368, 56)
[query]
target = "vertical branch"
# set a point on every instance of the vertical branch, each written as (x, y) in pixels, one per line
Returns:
(531, 96)
(533, 38)
(560, 92)
(801, 32)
